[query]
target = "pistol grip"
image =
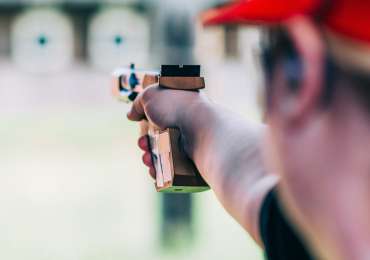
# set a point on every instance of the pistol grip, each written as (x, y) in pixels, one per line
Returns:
(175, 172)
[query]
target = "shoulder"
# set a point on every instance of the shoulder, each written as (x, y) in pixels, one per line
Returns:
(278, 234)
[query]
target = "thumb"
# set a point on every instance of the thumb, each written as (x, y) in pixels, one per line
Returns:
(136, 112)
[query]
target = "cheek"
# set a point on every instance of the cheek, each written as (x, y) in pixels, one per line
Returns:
(283, 157)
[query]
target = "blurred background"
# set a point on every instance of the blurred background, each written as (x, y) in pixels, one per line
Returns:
(72, 185)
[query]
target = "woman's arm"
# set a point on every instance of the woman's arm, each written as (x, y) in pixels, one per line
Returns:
(225, 148)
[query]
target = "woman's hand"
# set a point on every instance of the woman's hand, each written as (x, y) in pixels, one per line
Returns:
(168, 108)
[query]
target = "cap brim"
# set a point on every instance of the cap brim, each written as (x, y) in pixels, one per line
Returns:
(257, 11)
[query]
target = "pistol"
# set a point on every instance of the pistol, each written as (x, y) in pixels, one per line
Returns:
(175, 172)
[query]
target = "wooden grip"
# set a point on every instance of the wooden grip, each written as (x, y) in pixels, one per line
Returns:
(175, 172)
(182, 83)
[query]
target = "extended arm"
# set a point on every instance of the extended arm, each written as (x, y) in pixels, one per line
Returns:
(225, 148)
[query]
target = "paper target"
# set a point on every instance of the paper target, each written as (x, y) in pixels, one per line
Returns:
(42, 40)
(118, 37)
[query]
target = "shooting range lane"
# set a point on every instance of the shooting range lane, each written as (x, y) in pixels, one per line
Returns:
(72, 185)
(70, 163)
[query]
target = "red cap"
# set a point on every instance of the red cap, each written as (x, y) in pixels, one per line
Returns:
(349, 18)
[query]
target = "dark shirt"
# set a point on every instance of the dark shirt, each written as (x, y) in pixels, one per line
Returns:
(280, 239)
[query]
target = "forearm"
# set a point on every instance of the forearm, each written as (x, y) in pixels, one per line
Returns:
(227, 151)
(225, 148)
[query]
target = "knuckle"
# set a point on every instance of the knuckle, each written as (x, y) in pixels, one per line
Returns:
(149, 92)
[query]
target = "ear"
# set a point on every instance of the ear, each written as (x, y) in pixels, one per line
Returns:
(310, 46)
